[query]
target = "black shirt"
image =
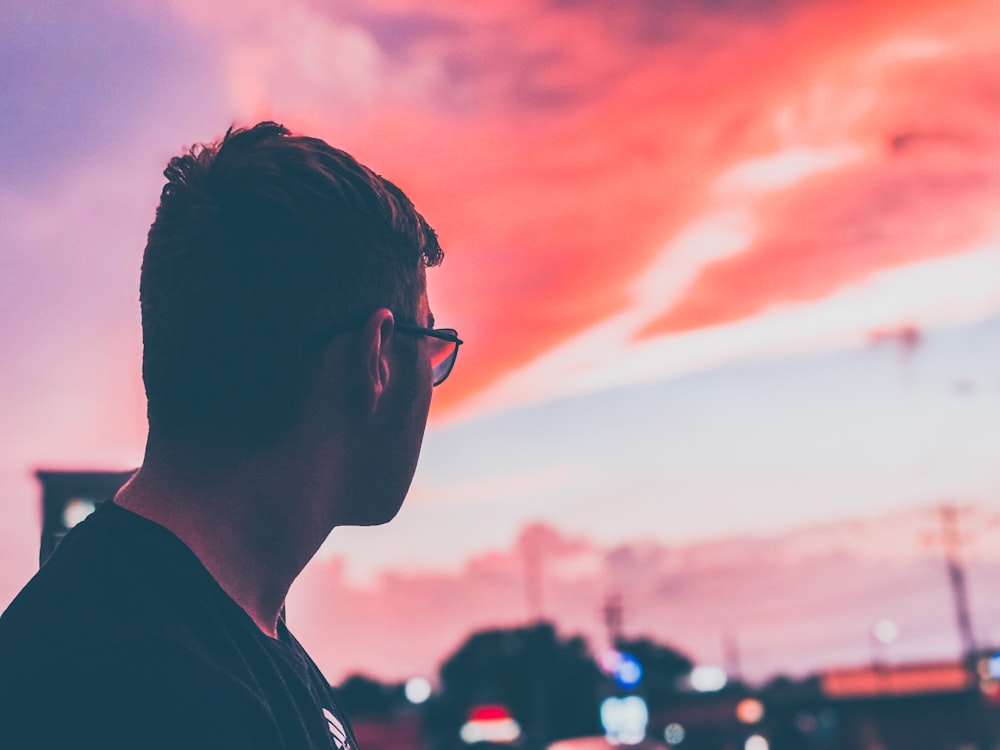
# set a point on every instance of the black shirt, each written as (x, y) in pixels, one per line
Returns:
(124, 640)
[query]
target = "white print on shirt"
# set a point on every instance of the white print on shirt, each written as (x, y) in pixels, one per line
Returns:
(337, 730)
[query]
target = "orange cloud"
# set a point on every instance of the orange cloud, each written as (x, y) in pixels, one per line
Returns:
(927, 187)
(557, 147)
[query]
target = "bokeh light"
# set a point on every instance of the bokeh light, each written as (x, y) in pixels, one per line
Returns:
(76, 510)
(624, 719)
(885, 631)
(417, 690)
(674, 733)
(749, 711)
(707, 679)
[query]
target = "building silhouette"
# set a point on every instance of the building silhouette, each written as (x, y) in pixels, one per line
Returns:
(70, 496)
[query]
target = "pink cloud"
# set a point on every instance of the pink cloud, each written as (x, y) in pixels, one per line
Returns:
(798, 601)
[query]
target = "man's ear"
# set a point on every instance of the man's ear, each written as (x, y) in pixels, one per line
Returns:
(378, 334)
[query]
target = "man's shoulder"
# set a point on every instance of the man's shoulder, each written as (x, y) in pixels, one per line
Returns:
(110, 585)
(116, 640)
(142, 693)
(62, 608)
(117, 632)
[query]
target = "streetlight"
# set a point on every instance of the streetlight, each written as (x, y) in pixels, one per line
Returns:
(884, 633)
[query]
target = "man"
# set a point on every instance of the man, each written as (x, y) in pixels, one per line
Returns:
(288, 358)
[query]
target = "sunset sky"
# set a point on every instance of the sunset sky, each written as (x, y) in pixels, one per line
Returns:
(728, 275)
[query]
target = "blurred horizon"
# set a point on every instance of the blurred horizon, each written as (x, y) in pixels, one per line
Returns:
(789, 604)
(723, 602)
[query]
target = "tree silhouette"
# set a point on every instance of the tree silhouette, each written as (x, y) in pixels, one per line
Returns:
(550, 686)
(362, 696)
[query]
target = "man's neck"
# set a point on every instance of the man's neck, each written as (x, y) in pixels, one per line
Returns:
(253, 538)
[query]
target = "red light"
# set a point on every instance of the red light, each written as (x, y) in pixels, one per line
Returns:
(488, 713)
(991, 690)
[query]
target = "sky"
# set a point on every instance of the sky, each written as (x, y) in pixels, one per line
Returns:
(728, 276)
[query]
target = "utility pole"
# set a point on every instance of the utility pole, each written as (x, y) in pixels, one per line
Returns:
(533, 578)
(731, 655)
(613, 616)
(952, 541)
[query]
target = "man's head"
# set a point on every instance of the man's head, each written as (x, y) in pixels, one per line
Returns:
(261, 243)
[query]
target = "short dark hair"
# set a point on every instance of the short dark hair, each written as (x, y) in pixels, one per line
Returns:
(260, 241)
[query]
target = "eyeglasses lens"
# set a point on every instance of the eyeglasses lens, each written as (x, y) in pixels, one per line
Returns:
(442, 358)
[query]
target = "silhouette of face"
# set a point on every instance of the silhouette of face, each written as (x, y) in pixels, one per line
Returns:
(399, 423)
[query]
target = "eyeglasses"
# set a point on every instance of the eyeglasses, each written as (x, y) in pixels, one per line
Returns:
(444, 343)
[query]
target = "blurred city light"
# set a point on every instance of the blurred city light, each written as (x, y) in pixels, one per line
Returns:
(629, 671)
(490, 724)
(993, 666)
(417, 690)
(624, 720)
(749, 710)
(609, 661)
(989, 677)
(76, 510)
(707, 679)
(756, 742)
(806, 722)
(885, 631)
(673, 734)
(580, 743)
(622, 667)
